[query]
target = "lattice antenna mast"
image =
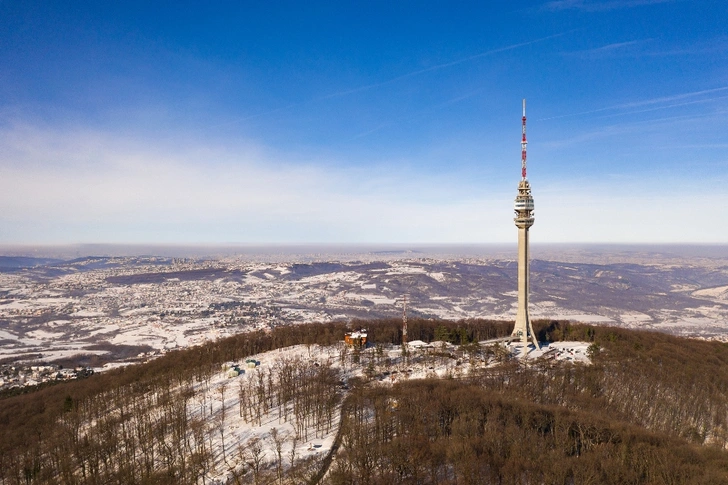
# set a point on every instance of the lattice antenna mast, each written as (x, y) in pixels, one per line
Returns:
(523, 143)
(404, 320)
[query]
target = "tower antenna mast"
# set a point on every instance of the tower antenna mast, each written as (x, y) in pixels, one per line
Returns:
(523, 143)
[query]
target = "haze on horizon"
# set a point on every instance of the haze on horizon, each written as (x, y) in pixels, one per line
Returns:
(352, 124)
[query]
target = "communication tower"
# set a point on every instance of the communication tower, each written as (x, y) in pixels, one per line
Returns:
(523, 331)
(404, 320)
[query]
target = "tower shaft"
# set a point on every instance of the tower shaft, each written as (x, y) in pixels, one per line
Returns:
(523, 330)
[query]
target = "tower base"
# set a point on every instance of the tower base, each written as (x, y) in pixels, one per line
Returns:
(523, 333)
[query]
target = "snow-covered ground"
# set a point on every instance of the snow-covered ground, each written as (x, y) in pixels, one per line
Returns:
(560, 351)
(718, 292)
(384, 365)
(240, 433)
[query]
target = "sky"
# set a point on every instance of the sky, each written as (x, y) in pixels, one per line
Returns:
(362, 122)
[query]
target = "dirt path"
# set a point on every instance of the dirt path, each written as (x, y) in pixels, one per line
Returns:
(329, 458)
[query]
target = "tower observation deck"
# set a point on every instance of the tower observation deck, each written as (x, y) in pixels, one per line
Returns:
(523, 206)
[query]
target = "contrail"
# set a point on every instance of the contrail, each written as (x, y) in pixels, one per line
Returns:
(397, 78)
(647, 102)
(443, 65)
(673, 105)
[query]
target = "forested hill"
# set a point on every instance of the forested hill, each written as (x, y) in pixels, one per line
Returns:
(650, 408)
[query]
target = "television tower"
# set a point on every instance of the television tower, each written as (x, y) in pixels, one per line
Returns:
(523, 331)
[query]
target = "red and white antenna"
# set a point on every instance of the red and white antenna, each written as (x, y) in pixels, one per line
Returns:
(523, 143)
(404, 320)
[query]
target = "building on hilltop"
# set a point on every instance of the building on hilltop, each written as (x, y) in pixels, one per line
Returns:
(357, 338)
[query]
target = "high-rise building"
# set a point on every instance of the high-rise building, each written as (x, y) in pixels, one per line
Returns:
(523, 330)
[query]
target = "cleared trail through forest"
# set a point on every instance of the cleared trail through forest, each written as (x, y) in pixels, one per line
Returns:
(326, 463)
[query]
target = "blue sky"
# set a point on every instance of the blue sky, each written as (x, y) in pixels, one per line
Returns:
(362, 122)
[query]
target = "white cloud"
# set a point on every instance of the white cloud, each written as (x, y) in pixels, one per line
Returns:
(649, 213)
(81, 186)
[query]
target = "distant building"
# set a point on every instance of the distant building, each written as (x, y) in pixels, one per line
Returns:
(356, 339)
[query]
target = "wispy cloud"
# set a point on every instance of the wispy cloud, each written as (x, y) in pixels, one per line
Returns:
(371, 131)
(590, 135)
(713, 46)
(650, 48)
(393, 80)
(444, 65)
(419, 113)
(617, 48)
(460, 98)
(663, 100)
(599, 6)
(629, 127)
(664, 106)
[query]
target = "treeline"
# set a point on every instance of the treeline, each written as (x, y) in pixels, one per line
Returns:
(449, 432)
(389, 331)
(664, 383)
